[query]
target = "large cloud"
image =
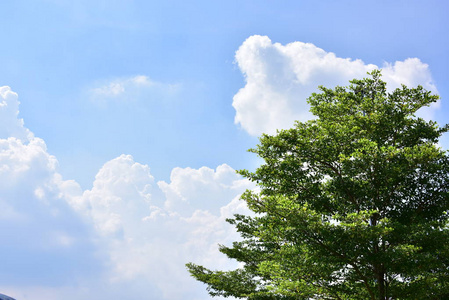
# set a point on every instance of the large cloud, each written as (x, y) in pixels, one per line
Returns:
(127, 237)
(148, 241)
(280, 78)
(43, 240)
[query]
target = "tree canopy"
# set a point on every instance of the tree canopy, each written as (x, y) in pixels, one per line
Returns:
(351, 205)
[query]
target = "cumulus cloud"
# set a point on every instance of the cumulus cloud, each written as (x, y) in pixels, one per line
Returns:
(41, 235)
(120, 195)
(147, 240)
(132, 88)
(279, 79)
(10, 124)
(126, 237)
(205, 187)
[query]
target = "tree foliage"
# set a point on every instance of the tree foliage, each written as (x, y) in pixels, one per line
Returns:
(352, 205)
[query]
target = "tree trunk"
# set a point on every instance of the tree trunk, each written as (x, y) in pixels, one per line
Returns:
(379, 270)
(381, 283)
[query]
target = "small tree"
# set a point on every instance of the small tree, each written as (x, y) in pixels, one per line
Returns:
(352, 205)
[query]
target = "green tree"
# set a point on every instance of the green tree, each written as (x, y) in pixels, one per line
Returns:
(352, 205)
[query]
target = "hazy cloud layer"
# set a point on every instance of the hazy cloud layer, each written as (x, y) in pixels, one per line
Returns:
(138, 87)
(279, 79)
(129, 236)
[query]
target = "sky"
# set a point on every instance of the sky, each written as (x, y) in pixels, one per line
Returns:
(122, 124)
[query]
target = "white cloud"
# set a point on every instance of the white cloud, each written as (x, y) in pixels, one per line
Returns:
(120, 195)
(10, 124)
(126, 237)
(132, 88)
(40, 234)
(191, 188)
(280, 78)
(148, 241)
(411, 72)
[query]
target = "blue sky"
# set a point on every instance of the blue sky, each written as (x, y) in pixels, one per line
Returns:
(136, 114)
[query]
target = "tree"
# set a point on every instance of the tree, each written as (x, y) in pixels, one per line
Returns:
(352, 205)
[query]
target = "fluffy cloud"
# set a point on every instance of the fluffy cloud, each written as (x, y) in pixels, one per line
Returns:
(147, 241)
(120, 196)
(43, 240)
(205, 188)
(127, 236)
(131, 88)
(280, 78)
(10, 124)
